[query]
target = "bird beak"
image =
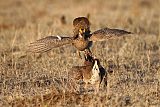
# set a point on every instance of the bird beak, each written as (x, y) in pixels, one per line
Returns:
(82, 31)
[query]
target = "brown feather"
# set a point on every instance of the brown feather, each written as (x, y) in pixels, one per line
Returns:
(107, 33)
(47, 43)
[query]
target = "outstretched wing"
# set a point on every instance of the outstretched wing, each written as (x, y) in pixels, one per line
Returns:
(47, 43)
(107, 33)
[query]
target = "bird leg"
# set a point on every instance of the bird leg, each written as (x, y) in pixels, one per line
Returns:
(87, 52)
(79, 54)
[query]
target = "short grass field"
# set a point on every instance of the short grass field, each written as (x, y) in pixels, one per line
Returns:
(40, 80)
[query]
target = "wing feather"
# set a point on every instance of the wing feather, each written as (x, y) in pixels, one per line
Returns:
(48, 43)
(107, 33)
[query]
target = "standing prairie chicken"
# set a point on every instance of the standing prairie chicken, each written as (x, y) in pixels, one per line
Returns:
(90, 73)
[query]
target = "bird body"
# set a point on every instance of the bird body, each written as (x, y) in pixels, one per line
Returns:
(90, 73)
(82, 38)
(81, 44)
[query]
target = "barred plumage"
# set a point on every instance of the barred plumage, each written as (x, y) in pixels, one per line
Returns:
(82, 38)
(107, 33)
(48, 43)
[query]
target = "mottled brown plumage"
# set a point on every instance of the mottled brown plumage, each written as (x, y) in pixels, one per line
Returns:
(82, 38)
(81, 23)
(90, 73)
(48, 43)
(107, 33)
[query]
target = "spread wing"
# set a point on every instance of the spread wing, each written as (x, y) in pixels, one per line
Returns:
(47, 43)
(107, 33)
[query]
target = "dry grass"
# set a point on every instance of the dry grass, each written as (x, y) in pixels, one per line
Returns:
(38, 80)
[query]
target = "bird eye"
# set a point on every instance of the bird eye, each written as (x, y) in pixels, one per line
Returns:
(95, 69)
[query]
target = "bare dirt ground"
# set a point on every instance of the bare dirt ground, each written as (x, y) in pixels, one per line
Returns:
(40, 80)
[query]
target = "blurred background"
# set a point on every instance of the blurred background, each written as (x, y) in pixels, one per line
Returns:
(137, 15)
(135, 60)
(23, 22)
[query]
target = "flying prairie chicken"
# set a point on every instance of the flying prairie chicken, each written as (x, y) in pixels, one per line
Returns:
(82, 38)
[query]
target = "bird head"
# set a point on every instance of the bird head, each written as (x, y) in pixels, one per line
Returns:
(89, 59)
(81, 26)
